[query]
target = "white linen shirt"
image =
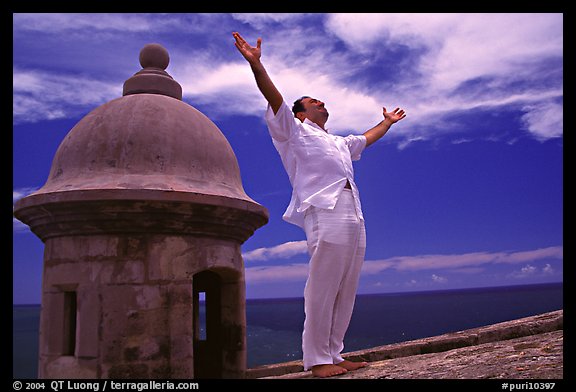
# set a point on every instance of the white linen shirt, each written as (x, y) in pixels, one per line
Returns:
(318, 163)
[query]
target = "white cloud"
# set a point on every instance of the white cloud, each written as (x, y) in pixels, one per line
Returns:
(455, 263)
(361, 31)
(458, 47)
(454, 50)
(439, 279)
(282, 251)
(260, 20)
(445, 64)
(88, 23)
(524, 272)
(530, 270)
(461, 261)
(228, 88)
(40, 95)
(17, 194)
(501, 50)
(553, 252)
(544, 120)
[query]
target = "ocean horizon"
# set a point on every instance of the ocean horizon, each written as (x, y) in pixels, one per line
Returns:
(274, 325)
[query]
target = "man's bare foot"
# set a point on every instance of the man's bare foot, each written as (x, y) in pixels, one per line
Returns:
(328, 370)
(350, 366)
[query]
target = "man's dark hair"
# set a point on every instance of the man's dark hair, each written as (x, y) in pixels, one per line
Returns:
(298, 107)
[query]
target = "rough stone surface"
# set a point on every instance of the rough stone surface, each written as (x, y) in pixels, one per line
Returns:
(532, 357)
(527, 348)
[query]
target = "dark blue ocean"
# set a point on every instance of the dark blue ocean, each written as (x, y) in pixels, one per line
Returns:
(274, 326)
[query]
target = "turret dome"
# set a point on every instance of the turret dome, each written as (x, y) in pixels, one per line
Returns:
(147, 145)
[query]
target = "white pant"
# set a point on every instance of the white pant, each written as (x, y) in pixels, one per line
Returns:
(337, 244)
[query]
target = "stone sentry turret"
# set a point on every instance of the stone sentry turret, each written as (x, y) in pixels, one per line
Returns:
(142, 217)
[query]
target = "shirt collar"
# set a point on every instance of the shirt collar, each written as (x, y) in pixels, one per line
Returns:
(313, 124)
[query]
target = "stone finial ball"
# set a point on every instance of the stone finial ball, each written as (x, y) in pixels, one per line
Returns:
(154, 55)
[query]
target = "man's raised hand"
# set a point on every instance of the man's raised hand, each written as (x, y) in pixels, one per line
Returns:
(393, 116)
(250, 53)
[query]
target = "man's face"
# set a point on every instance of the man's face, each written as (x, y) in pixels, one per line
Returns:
(315, 110)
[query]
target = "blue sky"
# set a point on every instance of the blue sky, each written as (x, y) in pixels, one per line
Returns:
(467, 191)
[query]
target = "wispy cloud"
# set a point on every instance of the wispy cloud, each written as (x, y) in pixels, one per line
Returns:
(438, 279)
(530, 270)
(544, 120)
(456, 48)
(41, 95)
(437, 262)
(467, 61)
(282, 251)
(87, 24)
(17, 194)
(462, 261)
(433, 65)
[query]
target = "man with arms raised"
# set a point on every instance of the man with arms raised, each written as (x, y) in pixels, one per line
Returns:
(325, 203)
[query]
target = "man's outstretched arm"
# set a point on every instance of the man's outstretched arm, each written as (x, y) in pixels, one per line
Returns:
(263, 81)
(380, 130)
